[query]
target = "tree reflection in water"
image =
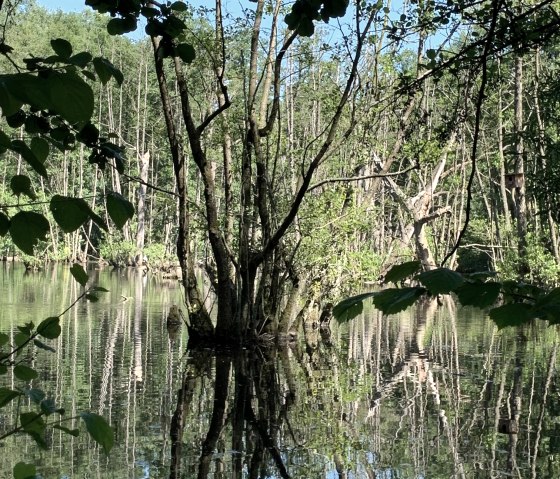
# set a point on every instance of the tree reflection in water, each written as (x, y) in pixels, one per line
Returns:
(432, 392)
(411, 396)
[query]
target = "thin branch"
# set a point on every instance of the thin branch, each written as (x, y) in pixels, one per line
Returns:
(476, 132)
(359, 178)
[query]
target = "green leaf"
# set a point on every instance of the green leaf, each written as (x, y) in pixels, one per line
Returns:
(441, 280)
(178, 6)
(71, 97)
(72, 432)
(392, 301)
(70, 213)
(100, 289)
(36, 395)
(29, 89)
(186, 52)
(512, 314)
(21, 185)
(29, 157)
(105, 70)
(25, 373)
(349, 308)
(4, 224)
(32, 422)
(480, 295)
(401, 271)
(92, 297)
(62, 47)
(24, 471)
(40, 148)
(34, 425)
(4, 339)
(50, 328)
(27, 229)
(7, 395)
(49, 407)
(9, 104)
(21, 338)
(99, 430)
(3, 369)
(79, 274)
(5, 141)
(80, 59)
(43, 346)
(119, 208)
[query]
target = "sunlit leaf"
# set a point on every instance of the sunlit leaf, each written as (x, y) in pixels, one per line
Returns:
(25, 373)
(50, 328)
(349, 308)
(441, 280)
(7, 395)
(392, 301)
(79, 274)
(24, 471)
(511, 314)
(119, 208)
(401, 271)
(27, 229)
(99, 430)
(480, 295)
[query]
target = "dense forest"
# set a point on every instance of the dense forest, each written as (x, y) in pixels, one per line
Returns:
(284, 151)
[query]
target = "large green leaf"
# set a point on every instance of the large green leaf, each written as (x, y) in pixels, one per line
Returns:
(62, 47)
(27, 229)
(79, 274)
(40, 148)
(29, 157)
(349, 308)
(34, 425)
(4, 224)
(70, 213)
(99, 430)
(512, 314)
(25, 373)
(477, 294)
(401, 271)
(441, 280)
(21, 185)
(72, 432)
(50, 328)
(186, 52)
(71, 97)
(119, 208)
(8, 103)
(105, 70)
(25, 471)
(392, 301)
(7, 395)
(29, 89)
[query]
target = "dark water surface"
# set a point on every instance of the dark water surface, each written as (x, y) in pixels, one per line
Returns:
(435, 392)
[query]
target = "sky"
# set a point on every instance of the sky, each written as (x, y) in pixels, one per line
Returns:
(65, 5)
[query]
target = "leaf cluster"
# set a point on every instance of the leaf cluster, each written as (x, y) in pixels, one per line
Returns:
(519, 303)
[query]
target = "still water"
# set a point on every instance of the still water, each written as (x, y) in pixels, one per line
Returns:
(436, 392)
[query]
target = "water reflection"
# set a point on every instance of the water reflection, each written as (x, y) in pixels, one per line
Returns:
(435, 392)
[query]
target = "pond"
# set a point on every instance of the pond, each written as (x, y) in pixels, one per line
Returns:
(435, 392)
